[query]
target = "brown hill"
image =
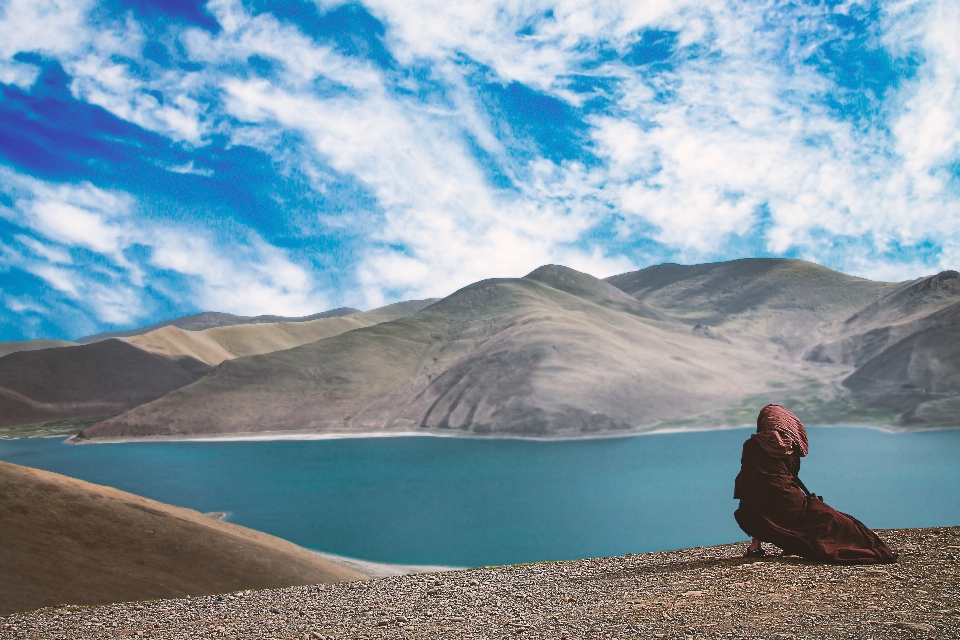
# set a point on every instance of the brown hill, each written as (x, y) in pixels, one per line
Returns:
(32, 345)
(100, 379)
(895, 340)
(778, 305)
(211, 319)
(110, 376)
(555, 354)
(69, 541)
(560, 353)
(213, 346)
(923, 367)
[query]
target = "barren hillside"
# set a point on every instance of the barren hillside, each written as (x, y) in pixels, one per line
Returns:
(65, 540)
(110, 376)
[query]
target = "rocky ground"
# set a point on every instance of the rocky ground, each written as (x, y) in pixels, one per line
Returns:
(705, 592)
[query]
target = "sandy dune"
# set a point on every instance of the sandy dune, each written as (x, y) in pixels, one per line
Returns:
(69, 541)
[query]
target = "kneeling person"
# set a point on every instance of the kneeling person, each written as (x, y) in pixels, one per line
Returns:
(774, 509)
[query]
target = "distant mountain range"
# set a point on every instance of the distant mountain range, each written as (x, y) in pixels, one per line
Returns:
(211, 319)
(557, 353)
(195, 322)
(114, 374)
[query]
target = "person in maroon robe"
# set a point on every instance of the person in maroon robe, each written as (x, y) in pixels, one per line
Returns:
(774, 509)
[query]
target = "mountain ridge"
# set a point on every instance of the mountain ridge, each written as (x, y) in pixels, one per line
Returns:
(212, 319)
(497, 357)
(562, 354)
(110, 376)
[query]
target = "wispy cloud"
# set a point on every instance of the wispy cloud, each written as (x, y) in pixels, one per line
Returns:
(95, 247)
(439, 143)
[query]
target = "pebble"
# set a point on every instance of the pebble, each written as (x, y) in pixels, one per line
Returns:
(703, 593)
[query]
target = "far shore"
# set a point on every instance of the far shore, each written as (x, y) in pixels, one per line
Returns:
(313, 435)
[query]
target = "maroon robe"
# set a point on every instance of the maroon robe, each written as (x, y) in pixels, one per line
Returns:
(773, 509)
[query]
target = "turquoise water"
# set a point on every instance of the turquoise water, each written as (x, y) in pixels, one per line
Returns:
(468, 502)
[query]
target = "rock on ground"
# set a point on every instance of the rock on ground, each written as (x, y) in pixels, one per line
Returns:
(705, 592)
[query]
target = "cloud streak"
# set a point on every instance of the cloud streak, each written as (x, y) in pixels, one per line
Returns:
(431, 144)
(93, 246)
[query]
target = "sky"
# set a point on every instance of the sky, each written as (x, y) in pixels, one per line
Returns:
(163, 157)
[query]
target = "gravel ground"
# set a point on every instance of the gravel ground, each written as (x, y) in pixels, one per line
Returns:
(705, 592)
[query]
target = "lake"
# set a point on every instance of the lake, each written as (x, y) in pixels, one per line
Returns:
(470, 502)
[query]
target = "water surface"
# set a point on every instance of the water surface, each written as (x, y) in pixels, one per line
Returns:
(469, 502)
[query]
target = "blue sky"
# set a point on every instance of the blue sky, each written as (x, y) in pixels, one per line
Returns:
(158, 158)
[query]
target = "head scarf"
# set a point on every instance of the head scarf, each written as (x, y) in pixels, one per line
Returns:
(780, 432)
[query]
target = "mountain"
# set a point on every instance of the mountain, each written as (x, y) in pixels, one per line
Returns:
(69, 541)
(211, 319)
(7, 348)
(896, 341)
(557, 353)
(195, 322)
(100, 379)
(110, 376)
(780, 306)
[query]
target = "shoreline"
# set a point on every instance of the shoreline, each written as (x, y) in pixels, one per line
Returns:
(377, 570)
(270, 436)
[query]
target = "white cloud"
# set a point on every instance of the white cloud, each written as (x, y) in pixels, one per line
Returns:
(51, 254)
(188, 168)
(110, 85)
(54, 27)
(743, 131)
(23, 305)
(240, 274)
(256, 279)
(436, 202)
(17, 73)
(65, 280)
(695, 151)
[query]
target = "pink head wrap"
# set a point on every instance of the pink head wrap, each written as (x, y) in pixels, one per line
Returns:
(780, 432)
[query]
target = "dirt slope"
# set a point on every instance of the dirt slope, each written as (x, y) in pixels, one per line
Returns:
(69, 541)
(520, 357)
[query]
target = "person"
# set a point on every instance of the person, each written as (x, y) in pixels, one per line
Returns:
(774, 509)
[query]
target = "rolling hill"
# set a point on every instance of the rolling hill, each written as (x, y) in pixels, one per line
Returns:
(211, 319)
(560, 353)
(69, 541)
(110, 376)
(557, 353)
(32, 345)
